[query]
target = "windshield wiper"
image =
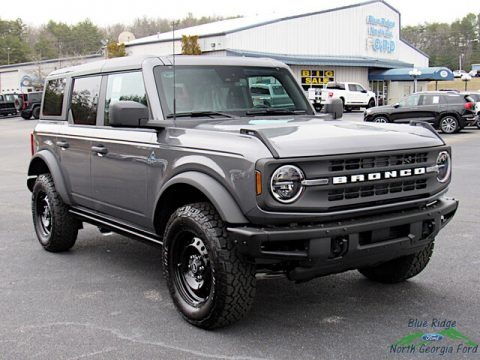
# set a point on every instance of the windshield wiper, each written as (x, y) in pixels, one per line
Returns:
(273, 111)
(211, 114)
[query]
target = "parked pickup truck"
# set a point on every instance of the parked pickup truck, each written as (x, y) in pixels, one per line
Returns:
(353, 95)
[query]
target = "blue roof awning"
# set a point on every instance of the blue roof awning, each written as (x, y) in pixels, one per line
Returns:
(402, 74)
(354, 61)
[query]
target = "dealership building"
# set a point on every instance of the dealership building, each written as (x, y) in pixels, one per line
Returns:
(357, 43)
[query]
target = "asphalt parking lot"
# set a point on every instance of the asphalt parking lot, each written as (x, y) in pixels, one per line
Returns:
(106, 298)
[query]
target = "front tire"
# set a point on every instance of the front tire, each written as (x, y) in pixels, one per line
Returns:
(210, 283)
(56, 229)
(401, 269)
(371, 104)
(449, 124)
(381, 119)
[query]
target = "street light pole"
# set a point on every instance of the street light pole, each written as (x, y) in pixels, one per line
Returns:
(8, 56)
(415, 73)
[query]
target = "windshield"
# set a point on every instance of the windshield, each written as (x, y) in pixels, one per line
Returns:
(234, 90)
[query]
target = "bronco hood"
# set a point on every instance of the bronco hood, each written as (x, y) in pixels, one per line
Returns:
(314, 136)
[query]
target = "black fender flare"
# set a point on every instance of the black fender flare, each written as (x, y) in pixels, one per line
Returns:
(39, 161)
(216, 193)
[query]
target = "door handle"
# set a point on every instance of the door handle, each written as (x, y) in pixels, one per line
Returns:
(63, 144)
(100, 150)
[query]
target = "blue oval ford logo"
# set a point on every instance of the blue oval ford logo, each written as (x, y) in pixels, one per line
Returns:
(432, 337)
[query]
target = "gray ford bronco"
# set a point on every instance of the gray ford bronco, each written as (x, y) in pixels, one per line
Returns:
(186, 157)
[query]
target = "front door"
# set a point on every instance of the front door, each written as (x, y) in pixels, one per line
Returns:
(119, 156)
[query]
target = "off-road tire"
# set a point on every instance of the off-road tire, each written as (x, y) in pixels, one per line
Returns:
(401, 269)
(232, 278)
(59, 229)
(36, 113)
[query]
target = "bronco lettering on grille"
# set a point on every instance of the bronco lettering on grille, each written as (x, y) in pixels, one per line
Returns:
(378, 176)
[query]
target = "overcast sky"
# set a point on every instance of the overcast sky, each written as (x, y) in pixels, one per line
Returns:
(36, 12)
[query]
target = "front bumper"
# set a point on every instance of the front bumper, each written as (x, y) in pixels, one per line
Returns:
(322, 249)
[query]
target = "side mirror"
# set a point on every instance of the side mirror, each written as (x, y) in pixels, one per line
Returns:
(397, 105)
(364, 91)
(335, 108)
(128, 114)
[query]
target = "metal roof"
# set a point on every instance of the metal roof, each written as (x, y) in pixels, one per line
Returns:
(355, 61)
(229, 26)
(402, 74)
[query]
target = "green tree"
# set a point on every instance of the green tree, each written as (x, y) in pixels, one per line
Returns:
(190, 45)
(13, 45)
(115, 49)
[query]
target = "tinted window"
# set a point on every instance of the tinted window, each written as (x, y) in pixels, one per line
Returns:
(431, 99)
(54, 97)
(125, 86)
(336, 86)
(85, 100)
(259, 91)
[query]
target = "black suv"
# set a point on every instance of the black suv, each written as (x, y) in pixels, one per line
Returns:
(29, 104)
(447, 111)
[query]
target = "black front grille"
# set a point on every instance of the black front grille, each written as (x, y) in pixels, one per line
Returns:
(372, 162)
(356, 192)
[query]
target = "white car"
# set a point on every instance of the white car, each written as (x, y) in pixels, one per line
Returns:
(459, 73)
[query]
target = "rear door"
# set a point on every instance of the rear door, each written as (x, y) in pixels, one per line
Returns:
(75, 142)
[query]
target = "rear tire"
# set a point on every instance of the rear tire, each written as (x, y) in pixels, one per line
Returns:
(401, 269)
(56, 229)
(210, 283)
(36, 113)
(449, 124)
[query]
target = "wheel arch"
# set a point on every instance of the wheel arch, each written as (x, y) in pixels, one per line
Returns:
(447, 113)
(45, 162)
(190, 187)
(381, 115)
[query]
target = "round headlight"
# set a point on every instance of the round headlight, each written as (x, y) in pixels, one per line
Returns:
(444, 165)
(286, 183)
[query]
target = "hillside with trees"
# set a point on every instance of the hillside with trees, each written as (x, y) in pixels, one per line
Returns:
(448, 44)
(22, 43)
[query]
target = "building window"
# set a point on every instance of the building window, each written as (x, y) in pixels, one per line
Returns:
(316, 78)
(85, 100)
(122, 87)
(53, 102)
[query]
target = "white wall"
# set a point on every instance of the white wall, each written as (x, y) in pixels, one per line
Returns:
(339, 33)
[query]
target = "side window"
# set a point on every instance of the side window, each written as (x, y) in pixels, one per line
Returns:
(360, 88)
(53, 102)
(85, 100)
(352, 87)
(124, 86)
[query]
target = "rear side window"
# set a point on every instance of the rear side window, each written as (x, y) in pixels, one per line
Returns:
(85, 100)
(336, 86)
(124, 86)
(53, 102)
